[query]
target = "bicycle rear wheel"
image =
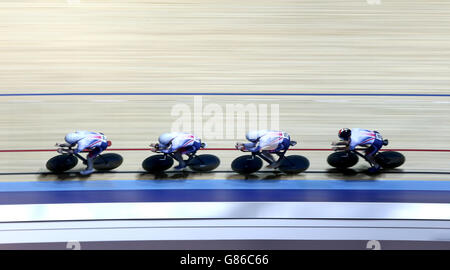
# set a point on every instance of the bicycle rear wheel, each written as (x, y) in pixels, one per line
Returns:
(204, 163)
(390, 159)
(107, 161)
(294, 164)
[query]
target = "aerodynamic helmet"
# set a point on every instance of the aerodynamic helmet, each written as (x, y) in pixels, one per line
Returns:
(252, 135)
(345, 133)
(165, 138)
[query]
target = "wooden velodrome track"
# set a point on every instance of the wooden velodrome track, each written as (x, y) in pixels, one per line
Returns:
(210, 47)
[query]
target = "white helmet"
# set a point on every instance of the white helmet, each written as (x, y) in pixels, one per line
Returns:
(252, 135)
(165, 138)
(74, 137)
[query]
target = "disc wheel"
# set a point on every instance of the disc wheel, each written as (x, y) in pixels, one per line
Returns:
(107, 162)
(61, 163)
(157, 163)
(294, 164)
(342, 160)
(204, 163)
(247, 164)
(390, 159)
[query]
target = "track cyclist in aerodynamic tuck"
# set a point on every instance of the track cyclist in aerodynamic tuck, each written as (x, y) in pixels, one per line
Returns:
(366, 138)
(267, 142)
(178, 144)
(94, 142)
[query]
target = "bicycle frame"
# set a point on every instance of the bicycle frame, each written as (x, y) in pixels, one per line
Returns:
(77, 155)
(361, 155)
(259, 154)
(356, 152)
(172, 155)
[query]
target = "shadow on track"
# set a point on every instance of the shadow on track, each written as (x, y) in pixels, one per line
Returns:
(347, 174)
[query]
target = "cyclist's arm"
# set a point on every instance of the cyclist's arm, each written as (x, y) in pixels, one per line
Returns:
(252, 147)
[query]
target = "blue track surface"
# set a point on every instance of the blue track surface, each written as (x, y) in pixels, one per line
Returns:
(225, 191)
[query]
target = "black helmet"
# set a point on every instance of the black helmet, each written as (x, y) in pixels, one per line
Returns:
(345, 134)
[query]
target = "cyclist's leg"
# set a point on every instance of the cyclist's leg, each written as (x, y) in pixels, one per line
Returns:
(179, 157)
(182, 147)
(281, 151)
(91, 156)
(191, 150)
(371, 152)
(268, 156)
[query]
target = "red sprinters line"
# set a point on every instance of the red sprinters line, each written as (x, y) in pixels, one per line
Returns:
(221, 149)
